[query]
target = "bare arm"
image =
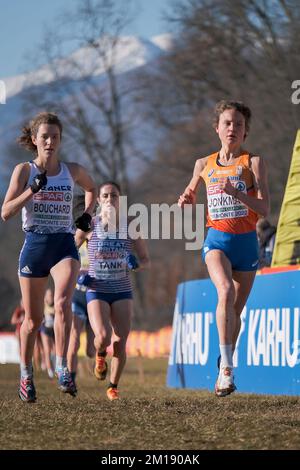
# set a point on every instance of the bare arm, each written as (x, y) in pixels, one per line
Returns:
(16, 197)
(261, 203)
(141, 250)
(81, 177)
(189, 194)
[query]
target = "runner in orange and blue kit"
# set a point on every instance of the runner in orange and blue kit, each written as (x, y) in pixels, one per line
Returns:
(237, 195)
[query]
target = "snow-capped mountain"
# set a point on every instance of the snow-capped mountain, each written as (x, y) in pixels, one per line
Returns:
(130, 52)
(76, 71)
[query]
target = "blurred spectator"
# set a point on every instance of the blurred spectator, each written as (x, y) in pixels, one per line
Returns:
(47, 332)
(17, 319)
(266, 234)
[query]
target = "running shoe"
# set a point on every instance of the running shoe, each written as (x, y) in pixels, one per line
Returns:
(27, 390)
(112, 393)
(100, 369)
(65, 382)
(225, 384)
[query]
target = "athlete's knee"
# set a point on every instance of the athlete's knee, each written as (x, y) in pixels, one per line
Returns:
(226, 292)
(32, 325)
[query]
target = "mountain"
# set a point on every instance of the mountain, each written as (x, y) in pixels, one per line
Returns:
(81, 68)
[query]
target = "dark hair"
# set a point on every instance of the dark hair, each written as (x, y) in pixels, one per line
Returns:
(112, 183)
(32, 129)
(239, 106)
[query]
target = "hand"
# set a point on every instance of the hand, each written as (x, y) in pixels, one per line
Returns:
(84, 222)
(132, 262)
(39, 181)
(226, 186)
(188, 197)
(84, 279)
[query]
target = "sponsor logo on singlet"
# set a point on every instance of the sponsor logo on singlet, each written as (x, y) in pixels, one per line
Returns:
(224, 206)
(110, 260)
(52, 206)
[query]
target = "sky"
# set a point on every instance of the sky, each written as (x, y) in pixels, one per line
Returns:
(22, 26)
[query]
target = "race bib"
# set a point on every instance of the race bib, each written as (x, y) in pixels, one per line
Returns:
(110, 260)
(110, 270)
(224, 206)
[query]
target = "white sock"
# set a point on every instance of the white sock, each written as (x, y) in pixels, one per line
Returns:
(26, 371)
(60, 362)
(226, 355)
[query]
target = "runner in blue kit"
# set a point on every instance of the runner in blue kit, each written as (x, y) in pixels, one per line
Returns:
(43, 189)
(109, 295)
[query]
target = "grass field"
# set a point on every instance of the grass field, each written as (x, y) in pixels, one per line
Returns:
(149, 416)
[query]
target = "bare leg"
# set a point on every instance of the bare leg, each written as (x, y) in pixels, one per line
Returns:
(47, 345)
(38, 353)
(64, 275)
(90, 338)
(220, 272)
(219, 268)
(99, 317)
(33, 290)
(121, 322)
(74, 344)
(243, 282)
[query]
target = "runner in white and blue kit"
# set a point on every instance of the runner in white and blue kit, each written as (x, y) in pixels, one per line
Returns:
(43, 189)
(109, 294)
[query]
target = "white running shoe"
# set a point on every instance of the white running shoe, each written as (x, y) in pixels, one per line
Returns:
(225, 385)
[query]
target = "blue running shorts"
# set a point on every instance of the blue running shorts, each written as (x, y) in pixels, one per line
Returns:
(41, 252)
(110, 298)
(47, 331)
(79, 304)
(241, 249)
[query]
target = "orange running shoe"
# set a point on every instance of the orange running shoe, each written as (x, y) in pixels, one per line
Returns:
(112, 393)
(100, 369)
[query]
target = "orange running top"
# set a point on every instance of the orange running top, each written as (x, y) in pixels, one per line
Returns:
(225, 212)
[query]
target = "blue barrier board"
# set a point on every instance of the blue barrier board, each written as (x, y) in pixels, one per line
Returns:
(267, 355)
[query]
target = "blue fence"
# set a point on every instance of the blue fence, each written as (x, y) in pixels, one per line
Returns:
(267, 356)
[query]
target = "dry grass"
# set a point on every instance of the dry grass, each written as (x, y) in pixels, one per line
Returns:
(149, 416)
